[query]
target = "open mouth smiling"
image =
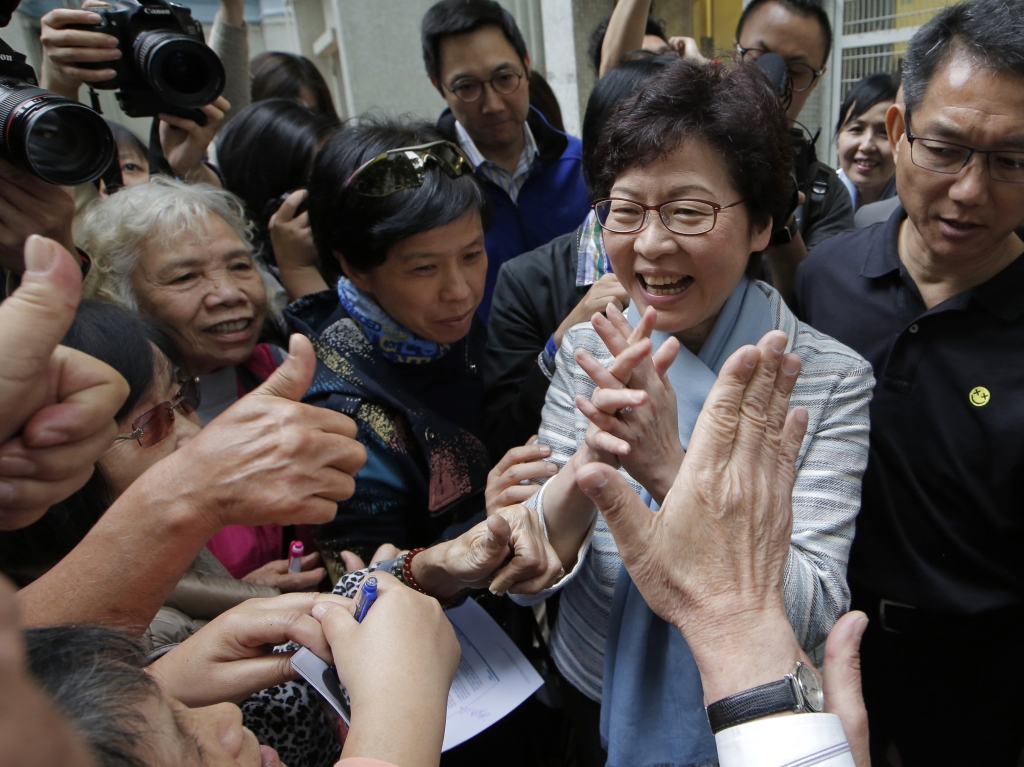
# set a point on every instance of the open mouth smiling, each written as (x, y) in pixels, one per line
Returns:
(664, 285)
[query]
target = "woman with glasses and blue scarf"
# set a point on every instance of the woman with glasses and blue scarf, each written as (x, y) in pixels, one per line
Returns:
(398, 341)
(689, 176)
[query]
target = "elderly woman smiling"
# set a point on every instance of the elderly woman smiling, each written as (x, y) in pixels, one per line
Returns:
(689, 176)
(183, 254)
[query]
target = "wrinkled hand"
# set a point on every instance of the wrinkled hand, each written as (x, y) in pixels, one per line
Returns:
(354, 563)
(231, 657)
(268, 458)
(517, 465)
(294, 251)
(64, 49)
(58, 404)
(185, 142)
(397, 667)
(843, 693)
(711, 561)
(687, 48)
(276, 574)
(606, 290)
(29, 205)
(507, 552)
(633, 412)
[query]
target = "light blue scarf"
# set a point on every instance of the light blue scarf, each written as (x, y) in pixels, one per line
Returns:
(652, 709)
(389, 339)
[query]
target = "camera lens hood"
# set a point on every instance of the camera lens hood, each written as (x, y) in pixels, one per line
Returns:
(182, 70)
(59, 140)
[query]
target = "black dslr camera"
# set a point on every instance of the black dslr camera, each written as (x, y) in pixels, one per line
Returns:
(165, 65)
(58, 140)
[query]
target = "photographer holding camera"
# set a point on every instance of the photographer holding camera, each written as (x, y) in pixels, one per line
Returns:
(799, 33)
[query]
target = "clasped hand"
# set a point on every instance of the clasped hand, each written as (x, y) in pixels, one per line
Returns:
(633, 406)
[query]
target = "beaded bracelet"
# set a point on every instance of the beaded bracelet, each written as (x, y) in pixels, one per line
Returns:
(412, 583)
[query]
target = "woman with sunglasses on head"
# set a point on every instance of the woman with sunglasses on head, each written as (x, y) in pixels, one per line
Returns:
(158, 417)
(688, 177)
(183, 254)
(399, 344)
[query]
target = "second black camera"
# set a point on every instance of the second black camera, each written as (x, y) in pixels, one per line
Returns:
(165, 65)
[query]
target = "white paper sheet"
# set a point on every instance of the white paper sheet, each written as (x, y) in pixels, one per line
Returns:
(493, 677)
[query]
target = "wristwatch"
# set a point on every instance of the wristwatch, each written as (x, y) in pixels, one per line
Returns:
(799, 692)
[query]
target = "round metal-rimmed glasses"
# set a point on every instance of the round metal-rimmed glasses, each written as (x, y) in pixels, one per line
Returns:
(947, 157)
(801, 76)
(156, 423)
(470, 89)
(688, 217)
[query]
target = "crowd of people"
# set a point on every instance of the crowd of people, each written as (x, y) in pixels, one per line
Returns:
(724, 439)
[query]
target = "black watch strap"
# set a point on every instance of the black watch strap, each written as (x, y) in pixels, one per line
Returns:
(755, 703)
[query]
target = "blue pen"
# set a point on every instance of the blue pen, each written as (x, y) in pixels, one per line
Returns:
(366, 597)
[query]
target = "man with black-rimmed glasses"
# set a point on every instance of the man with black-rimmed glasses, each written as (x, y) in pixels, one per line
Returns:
(934, 299)
(476, 58)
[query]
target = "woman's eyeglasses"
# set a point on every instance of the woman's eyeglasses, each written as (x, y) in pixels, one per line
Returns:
(687, 217)
(157, 422)
(406, 168)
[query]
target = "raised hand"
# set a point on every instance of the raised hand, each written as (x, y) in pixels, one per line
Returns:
(606, 290)
(268, 458)
(185, 142)
(64, 50)
(276, 574)
(28, 206)
(634, 405)
(711, 561)
(294, 250)
(507, 552)
(58, 404)
(518, 464)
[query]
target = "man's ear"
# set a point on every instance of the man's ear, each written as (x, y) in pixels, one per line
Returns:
(358, 278)
(436, 84)
(526, 64)
(896, 128)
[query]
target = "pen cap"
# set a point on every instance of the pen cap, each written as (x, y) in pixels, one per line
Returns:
(297, 549)
(370, 585)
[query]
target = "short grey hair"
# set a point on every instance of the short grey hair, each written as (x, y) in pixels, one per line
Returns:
(162, 212)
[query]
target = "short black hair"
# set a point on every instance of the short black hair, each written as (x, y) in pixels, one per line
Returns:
(619, 83)
(94, 675)
(800, 8)
(364, 228)
(281, 75)
(460, 17)
(267, 149)
(654, 27)
(865, 93)
(126, 139)
(990, 32)
(732, 109)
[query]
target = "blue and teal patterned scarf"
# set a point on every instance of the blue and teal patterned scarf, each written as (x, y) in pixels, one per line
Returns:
(389, 339)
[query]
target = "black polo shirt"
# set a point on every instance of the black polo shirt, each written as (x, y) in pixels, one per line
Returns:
(941, 525)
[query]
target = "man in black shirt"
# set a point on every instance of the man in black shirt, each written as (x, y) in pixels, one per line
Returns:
(934, 298)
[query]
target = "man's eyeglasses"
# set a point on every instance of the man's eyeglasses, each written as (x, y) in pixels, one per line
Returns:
(801, 76)
(157, 422)
(470, 89)
(406, 168)
(947, 157)
(687, 217)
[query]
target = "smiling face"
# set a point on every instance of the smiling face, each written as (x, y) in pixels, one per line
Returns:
(127, 460)
(687, 279)
(864, 152)
(966, 216)
(796, 38)
(495, 120)
(432, 282)
(208, 291)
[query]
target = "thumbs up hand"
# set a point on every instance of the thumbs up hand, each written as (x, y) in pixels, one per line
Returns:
(57, 404)
(268, 458)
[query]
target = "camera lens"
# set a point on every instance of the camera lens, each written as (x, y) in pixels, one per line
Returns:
(60, 141)
(183, 71)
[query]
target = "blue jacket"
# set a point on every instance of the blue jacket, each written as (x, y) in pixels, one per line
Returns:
(552, 202)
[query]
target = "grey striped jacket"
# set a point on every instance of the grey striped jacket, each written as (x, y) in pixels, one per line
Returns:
(835, 386)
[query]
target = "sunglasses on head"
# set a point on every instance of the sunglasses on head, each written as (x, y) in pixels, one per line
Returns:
(406, 168)
(157, 422)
